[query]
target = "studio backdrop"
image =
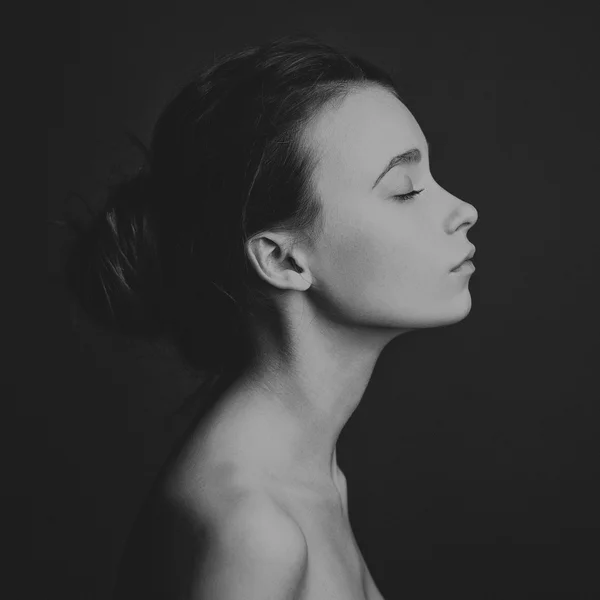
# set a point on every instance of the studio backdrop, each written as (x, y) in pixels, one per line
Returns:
(472, 459)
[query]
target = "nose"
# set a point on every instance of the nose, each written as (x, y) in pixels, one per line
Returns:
(469, 215)
(462, 214)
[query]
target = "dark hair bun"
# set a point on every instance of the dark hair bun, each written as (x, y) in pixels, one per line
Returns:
(112, 267)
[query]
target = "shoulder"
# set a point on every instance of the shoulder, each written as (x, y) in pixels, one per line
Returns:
(256, 551)
(238, 517)
(259, 526)
(251, 549)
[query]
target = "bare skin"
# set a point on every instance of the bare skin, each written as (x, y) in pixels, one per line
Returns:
(254, 444)
(225, 463)
(381, 268)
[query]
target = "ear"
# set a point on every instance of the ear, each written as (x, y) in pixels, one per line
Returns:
(277, 262)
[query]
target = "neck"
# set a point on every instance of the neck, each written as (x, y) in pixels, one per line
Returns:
(295, 404)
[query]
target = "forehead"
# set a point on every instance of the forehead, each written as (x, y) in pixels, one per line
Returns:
(357, 138)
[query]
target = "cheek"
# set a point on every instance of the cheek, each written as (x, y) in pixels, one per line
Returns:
(366, 266)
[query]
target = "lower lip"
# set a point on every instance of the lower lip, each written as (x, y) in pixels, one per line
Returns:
(465, 268)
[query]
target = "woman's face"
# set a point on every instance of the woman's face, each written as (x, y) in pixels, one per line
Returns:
(384, 261)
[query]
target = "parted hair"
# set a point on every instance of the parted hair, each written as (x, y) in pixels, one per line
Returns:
(164, 258)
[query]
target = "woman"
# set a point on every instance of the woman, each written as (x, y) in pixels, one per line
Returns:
(285, 229)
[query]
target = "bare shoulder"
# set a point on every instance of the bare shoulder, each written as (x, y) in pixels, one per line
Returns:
(240, 544)
(252, 549)
(259, 527)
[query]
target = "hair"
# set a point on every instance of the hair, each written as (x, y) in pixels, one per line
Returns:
(165, 257)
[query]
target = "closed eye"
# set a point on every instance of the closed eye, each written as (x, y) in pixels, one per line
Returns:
(408, 196)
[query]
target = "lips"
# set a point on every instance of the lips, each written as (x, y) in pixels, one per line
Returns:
(469, 256)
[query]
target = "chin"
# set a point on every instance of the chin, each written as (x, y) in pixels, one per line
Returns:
(462, 310)
(440, 316)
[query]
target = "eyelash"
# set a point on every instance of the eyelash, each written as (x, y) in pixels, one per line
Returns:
(406, 197)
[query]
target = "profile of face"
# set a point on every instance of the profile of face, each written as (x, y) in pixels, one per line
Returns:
(385, 260)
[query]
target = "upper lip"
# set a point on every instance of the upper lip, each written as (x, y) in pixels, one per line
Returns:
(467, 257)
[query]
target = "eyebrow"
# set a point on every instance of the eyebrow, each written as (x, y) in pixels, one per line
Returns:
(410, 157)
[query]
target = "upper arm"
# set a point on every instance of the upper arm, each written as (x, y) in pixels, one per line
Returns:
(256, 552)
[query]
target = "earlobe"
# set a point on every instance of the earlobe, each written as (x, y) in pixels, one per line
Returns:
(301, 281)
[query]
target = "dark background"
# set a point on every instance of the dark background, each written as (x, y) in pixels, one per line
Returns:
(472, 460)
